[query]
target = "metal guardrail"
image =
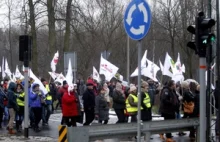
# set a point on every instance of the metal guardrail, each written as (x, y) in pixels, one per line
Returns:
(126, 131)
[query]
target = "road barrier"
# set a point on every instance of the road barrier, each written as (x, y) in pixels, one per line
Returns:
(62, 133)
(127, 131)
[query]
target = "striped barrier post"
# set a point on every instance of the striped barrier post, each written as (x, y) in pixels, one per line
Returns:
(62, 133)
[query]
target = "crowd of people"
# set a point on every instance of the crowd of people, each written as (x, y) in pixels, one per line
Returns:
(93, 100)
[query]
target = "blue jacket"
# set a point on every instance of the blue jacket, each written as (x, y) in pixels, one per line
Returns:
(2, 95)
(35, 98)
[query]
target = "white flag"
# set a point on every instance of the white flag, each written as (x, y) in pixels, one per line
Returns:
(7, 70)
(18, 74)
(13, 78)
(151, 70)
(54, 75)
(69, 75)
(60, 78)
(107, 69)
(23, 68)
(177, 67)
(183, 68)
(168, 66)
(54, 61)
(3, 68)
(95, 74)
(143, 65)
(37, 81)
(161, 66)
(0, 69)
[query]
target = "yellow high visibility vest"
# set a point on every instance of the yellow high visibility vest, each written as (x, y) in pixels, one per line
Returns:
(129, 107)
(49, 97)
(147, 100)
(20, 102)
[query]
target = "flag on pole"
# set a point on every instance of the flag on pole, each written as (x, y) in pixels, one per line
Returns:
(167, 66)
(60, 78)
(95, 74)
(37, 81)
(107, 69)
(143, 65)
(69, 75)
(161, 66)
(7, 70)
(54, 61)
(54, 75)
(177, 67)
(3, 68)
(183, 68)
(151, 70)
(18, 74)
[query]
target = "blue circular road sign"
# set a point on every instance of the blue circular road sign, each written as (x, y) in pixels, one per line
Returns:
(137, 19)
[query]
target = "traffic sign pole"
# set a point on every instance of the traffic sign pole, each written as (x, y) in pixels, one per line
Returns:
(139, 91)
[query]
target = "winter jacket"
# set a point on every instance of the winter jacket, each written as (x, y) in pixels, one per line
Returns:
(82, 87)
(152, 92)
(12, 97)
(88, 99)
(70, 104)
(60, 94)
(169, 102)
(118, 100)
(36, 98)
(102, 107)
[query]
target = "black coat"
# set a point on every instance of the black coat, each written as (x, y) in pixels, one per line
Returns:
(118, 100)
(169, 102)
(88, 99)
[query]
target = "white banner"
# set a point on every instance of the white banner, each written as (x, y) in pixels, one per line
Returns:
(143, 65)
(107, 69)
(69, 75)
(95, 74)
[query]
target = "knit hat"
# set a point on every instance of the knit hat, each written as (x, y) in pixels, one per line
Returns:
(90, 82)
(42, 80)
(133, 88)
(64, 82)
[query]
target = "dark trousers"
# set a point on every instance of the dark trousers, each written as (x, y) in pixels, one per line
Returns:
(121, 115)
(146, 115)
(192, 131)
(70, 121)
(90, 115)
(1, 115)
(168, 117)
(37, 115)
(133, 118)
(19, 117)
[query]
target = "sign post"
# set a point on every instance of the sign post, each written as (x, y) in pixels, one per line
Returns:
(137, 21)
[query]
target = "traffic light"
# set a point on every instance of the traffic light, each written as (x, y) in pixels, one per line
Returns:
(192, 44)
(201, 35)
(204, 36)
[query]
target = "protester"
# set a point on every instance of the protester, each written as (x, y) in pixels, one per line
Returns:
(20, 102)
(12, 106)
(169, 104)
(70, 107)
(37, 98)
(145, 102)
(132, 103)
(119, 103)
(102, 107)
(89, 103)
(2, 95)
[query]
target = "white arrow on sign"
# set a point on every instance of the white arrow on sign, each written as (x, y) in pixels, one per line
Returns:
(143, 9)
(131, 10)
(138, 31)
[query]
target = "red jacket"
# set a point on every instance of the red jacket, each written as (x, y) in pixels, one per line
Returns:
(69, 105)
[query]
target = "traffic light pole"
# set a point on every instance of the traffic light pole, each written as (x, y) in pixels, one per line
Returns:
(26, 108)
(202, 107)
(218, 55)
